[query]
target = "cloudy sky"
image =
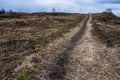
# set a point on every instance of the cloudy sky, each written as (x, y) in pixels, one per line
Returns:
(84, 6)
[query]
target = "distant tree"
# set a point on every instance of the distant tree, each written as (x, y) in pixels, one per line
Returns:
(109, 10)
(2, 11)
(53, 10)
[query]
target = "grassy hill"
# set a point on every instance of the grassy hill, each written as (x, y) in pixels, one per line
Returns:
(106, 17)
(107, 28)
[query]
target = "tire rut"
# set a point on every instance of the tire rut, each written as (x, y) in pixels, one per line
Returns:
(58, 69)
(84, 58)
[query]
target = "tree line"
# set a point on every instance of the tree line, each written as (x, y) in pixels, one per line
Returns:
(3, 11)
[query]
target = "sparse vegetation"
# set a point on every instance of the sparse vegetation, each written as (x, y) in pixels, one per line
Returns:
(20, 34)
(107, 30)
(37, 48)
(108, 16)
(24, 37)
(22, 77)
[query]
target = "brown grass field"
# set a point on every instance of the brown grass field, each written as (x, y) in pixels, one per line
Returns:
(59, 46)
(23, 34)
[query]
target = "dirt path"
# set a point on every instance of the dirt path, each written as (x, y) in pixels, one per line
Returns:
(85, 59)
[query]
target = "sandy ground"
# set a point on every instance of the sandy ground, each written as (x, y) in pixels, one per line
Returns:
(85, 58)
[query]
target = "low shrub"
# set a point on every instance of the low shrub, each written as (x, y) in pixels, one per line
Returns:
(22, 77)
(37, 48)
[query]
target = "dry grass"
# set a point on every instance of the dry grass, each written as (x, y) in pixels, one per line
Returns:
(107, 31)
(20, 32)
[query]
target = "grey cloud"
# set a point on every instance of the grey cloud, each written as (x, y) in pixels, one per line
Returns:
(109, 1)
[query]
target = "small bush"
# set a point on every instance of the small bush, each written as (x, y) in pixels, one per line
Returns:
(37, 48)
(22, 77)
(106, 17)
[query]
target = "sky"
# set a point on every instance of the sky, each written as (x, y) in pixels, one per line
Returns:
(73, 6)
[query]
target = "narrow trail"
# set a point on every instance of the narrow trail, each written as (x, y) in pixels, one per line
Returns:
(84, 59)
(58, 66)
